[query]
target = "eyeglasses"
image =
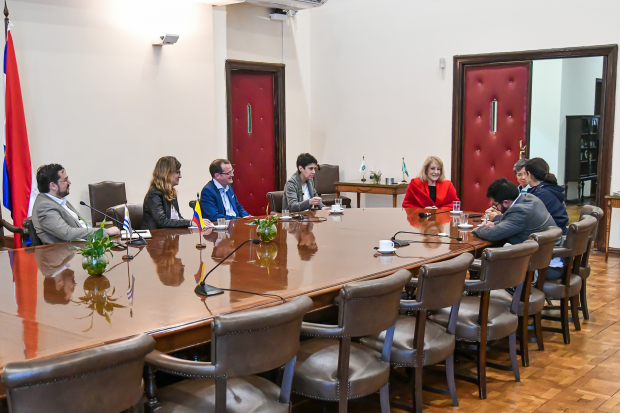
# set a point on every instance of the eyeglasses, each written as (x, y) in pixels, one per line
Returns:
(228, 173)
(64, 181)
(522, 175)
(495, 205)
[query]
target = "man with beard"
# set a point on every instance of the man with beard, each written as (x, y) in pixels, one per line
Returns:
(522, 214)
(54, 218)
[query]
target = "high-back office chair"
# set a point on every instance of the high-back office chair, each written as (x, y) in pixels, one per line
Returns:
(136, 212)
(418, 342)
(324, 179)
(34, 238)
(532, 300)
(567, 287)
(329, 366)
(482, 320)
(242, 345)
(105, 379)
(584, 269)
(104, 195)
(275, 200)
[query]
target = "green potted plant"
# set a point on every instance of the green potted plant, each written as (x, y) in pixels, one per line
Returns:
(266, 227)
(94, 260)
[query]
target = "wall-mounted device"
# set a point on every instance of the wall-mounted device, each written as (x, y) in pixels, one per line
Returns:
(165, 39)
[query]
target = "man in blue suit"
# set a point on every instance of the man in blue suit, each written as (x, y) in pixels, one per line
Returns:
(217, 199)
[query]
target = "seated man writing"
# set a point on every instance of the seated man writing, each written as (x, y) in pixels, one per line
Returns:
(217, 199)
(522, 214)
(54, 218)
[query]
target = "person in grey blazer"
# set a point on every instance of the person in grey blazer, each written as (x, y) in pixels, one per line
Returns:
(299, 192)
(54, 218)
(522, 214)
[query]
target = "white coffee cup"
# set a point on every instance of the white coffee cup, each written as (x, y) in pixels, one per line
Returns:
(386, 245)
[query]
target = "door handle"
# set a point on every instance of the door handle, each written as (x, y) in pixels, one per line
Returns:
(494, 116)
(522, 149)
(249, 119)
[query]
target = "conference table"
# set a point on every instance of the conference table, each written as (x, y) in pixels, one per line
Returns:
(50, 306)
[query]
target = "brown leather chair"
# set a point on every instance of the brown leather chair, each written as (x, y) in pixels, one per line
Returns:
(419, 343)
(275, 200)
(136, 212)
(482, 320)
(32, 233)
(242, 344)
(567, 288)
(105, 379)
(532, 300)
(104, 195)
(324, 179)
(584, 269)
(331, 368)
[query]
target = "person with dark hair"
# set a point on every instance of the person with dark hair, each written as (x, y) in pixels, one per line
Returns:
(524, 185)
(545, 186)
(217, 199)
(161, 206)
(522, 214)
(54, 218)
(299, 192)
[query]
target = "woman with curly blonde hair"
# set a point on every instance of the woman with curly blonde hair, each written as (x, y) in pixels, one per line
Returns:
(430, 189)
(161, 207)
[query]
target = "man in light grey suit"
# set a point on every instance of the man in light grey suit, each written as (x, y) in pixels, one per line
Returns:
(522, 214)
(54, 218)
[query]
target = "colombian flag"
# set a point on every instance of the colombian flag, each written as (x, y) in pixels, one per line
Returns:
(201, 273)
(198, 217)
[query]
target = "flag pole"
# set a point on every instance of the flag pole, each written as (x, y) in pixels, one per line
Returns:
(363, 173)
(200, 245)
(6, 22)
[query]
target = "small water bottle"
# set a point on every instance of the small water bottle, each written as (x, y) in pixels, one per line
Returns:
(372, 173)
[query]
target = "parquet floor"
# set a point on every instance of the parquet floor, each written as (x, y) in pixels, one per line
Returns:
(581, 377)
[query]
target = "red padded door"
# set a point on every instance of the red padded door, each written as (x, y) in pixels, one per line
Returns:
(489, 155)
(253, 140)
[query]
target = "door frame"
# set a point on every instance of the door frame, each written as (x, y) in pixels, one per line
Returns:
(610, 70)
(279, 110)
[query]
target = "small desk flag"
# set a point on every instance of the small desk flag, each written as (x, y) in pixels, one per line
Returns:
(127, 223)
(405, 168)
(363, 166)
(198, 217)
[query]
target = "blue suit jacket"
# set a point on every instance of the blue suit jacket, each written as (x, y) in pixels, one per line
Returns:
(212, 206)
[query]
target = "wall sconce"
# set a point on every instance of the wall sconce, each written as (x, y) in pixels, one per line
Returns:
(165, 39)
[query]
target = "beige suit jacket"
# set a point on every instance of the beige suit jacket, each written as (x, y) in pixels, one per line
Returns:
(54, 224)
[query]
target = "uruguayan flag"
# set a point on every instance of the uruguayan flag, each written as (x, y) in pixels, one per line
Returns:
(127, 222)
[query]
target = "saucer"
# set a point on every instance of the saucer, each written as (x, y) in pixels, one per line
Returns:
(466, 225)
(285, 218)
(390, 251)
(220, 227)
(456, 212)
(336, 211)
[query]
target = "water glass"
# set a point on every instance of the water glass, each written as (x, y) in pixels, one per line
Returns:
(456, 206)
(221, 222)
(285, 213)
(338, 203)
(464, 218)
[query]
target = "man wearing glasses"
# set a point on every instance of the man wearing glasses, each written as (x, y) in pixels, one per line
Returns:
(522, 214)
(54, 218)
(524, 185)
(217, 199)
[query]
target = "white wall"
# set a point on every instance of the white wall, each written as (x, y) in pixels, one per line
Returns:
(104, 102)
(545, 115)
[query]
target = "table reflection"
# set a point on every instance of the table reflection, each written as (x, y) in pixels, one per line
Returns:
(306, 241)
(59, 278)
(168, 266)
(98, 299)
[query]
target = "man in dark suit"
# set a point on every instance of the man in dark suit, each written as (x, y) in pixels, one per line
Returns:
(522, 214)
(217, 199)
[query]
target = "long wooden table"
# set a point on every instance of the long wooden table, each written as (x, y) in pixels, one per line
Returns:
(49, 305)
(370, 188)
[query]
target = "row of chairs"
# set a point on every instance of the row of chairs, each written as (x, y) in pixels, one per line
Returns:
(419, 331)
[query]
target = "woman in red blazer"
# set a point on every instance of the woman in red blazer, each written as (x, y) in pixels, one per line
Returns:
(430, 189)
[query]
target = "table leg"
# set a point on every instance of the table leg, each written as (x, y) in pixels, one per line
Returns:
(394, 198)
(359, 196)
(607, 230)
(337, 194)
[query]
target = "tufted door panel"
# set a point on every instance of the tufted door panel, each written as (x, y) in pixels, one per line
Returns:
(253, 139)
(489, 155)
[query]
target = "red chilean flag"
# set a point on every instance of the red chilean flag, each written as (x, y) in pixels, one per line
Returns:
(19, 177)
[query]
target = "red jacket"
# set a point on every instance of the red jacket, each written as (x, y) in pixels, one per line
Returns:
(417, 195)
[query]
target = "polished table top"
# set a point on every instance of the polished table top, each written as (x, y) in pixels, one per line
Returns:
(49, 304)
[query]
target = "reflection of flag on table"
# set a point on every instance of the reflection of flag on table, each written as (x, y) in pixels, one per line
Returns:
(130, 295)
(201, 273)
(18, 185)
(198, 217)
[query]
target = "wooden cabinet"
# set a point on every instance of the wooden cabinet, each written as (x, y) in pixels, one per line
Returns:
(582, 151)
